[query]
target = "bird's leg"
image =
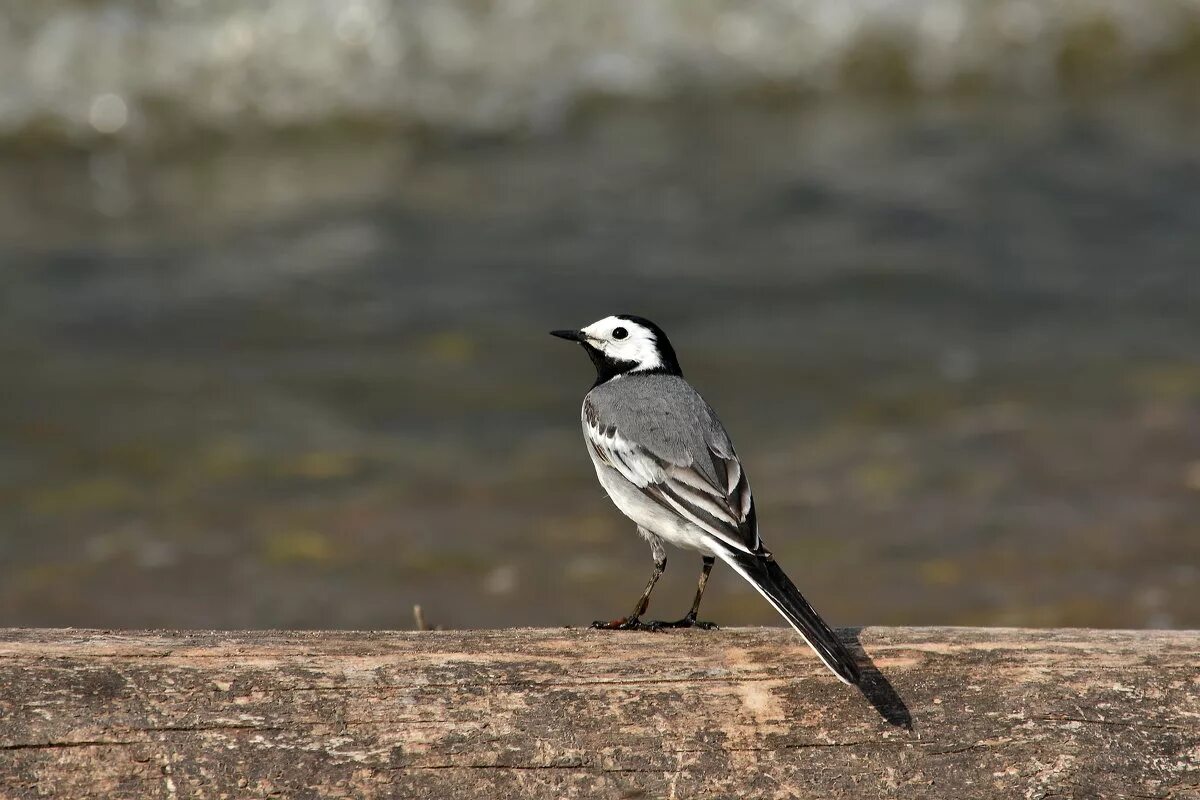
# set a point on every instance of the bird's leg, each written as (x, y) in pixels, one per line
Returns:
(690, 620)
(633, 622)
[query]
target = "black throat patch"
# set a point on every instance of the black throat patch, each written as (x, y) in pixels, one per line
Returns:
(606, 368)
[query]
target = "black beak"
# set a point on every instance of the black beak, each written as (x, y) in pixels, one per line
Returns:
(574, 336)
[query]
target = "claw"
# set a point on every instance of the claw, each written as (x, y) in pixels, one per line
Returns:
(628, 624)
(688, 622)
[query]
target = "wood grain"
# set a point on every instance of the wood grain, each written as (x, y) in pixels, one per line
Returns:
(961, 713)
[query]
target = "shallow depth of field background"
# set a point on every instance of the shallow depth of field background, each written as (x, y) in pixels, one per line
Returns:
(275, 282)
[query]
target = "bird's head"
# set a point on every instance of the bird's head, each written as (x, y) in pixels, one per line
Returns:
(625, 343)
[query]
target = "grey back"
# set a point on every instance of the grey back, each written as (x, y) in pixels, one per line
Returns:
(667, 417)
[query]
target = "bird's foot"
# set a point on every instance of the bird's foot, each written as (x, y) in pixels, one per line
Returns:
(627, 624)
(689, 621)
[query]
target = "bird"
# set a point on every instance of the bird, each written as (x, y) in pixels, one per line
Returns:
(667, 463)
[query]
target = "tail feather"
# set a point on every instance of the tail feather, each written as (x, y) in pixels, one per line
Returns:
(771, 582)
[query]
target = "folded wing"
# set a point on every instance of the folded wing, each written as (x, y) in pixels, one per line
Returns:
(708, 488)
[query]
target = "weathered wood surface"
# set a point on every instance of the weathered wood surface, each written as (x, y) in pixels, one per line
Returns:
(577, 713)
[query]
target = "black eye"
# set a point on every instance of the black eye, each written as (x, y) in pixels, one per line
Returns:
(619, 333)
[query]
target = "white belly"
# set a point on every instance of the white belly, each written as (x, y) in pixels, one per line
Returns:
(650, 515)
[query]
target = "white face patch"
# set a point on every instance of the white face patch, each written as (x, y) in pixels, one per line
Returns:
(638, 344)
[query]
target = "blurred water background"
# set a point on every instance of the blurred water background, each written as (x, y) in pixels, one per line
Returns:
(275, 281)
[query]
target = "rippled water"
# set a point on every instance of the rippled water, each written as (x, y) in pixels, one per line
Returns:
(307, 382)
(160, 73)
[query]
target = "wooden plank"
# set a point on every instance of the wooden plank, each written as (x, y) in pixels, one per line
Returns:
(962, 713)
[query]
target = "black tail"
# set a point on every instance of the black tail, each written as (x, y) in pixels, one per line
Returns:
(769, 579)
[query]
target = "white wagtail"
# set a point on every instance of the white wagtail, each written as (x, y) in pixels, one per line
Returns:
(667, 463)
